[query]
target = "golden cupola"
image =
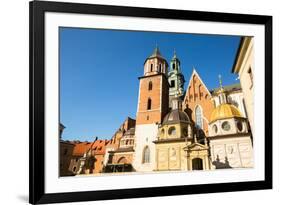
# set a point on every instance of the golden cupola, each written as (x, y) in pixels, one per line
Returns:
(224, 110)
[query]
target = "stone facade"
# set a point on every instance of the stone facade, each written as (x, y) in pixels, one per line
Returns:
(244, 67)
(66, 150)
(171, 155)
(177, 145)
(231, 152)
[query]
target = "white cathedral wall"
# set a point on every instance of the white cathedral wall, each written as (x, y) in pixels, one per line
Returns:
(144, 136)
(238, 98)
(220, 131)
(246, 83)
(238, 151)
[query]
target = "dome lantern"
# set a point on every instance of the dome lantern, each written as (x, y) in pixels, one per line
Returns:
(221, 93)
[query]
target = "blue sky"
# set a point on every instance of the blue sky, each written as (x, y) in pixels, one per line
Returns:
(99, 72)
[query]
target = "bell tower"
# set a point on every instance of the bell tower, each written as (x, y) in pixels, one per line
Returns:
(153, 90)
(153, 105)
(176, 78)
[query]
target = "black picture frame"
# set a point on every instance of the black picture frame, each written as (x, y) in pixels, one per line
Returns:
(37, 11)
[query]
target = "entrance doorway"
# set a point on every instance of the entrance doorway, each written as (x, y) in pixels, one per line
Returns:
(197, 164)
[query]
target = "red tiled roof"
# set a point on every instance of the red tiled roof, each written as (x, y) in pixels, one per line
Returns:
(99, 146)
(81, 147)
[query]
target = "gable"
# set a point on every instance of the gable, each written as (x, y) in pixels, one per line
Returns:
(198, 95)
(196, 88)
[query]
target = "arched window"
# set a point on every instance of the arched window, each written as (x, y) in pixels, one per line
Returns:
(172, 131)
(198, 117)
(149, 104)
(174, 66)
(151, 67)
(160, 68)
(150, 85)
(146, 155)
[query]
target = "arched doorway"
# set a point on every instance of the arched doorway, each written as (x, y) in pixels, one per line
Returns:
(197, 164)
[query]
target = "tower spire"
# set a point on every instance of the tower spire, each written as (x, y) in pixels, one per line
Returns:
(156, 52)
(220, 92)
(220, 81)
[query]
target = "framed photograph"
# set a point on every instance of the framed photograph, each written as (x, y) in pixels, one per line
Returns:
(130, 102)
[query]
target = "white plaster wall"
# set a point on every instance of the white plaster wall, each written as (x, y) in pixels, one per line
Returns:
(145, 135)
(232, 130)
(238, 98)
(238, 150)
(247, 86)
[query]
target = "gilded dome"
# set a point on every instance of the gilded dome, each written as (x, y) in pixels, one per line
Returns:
(224, 111)
(175, 116)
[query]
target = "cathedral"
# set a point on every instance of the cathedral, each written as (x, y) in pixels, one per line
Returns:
(177, 129)
(196, 129)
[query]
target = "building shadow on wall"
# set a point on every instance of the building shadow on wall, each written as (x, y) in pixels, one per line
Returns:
(221, 165)
(188, 111)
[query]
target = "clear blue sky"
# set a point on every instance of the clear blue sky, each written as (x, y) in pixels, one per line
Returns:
(99, 72)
